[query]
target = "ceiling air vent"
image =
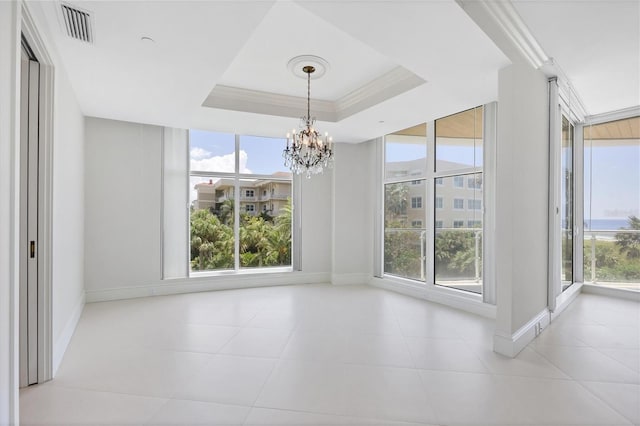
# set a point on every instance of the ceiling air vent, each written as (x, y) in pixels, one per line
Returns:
(77, 23)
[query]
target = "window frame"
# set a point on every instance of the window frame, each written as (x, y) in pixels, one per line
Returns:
(239, 179)
(487, 169)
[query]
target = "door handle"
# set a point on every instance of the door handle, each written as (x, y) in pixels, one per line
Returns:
(32, 249)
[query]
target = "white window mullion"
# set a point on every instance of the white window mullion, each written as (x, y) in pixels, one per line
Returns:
(236, 207)
(430, 211)
(489, 202)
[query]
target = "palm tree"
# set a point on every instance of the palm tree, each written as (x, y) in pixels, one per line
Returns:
(395, 198)
(226, 211)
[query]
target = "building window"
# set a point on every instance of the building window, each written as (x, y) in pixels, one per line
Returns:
(416, 182)
(416, 202)
(439, 203)
(218, 184)
(438, 224)
(474, 204)
(416, 224)
(474, 182)
(458, 182)
(474, 224)
(458, 203)
(439, 181)
(458, 223)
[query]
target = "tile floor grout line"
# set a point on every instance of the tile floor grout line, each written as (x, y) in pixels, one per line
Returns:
(580, 382)
(273, 369)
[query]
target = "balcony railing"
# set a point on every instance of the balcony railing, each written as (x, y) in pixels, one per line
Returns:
(405, 255)
(607, 263)
(274, 196)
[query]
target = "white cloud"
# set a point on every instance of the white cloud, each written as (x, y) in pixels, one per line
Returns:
(199, 153)
(220, 163)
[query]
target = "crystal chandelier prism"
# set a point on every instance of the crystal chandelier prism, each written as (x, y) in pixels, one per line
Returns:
(307, 150)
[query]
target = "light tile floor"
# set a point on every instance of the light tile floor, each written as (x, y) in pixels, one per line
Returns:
(325, 355)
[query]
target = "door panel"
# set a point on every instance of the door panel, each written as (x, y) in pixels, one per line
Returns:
(29, 185)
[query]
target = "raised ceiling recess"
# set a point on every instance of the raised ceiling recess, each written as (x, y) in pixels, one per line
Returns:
(386, 86)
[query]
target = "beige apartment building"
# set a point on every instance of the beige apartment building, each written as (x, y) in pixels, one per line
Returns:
(457, 200)
(256, 195)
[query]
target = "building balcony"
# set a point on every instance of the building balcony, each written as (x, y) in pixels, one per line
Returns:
(275, 196)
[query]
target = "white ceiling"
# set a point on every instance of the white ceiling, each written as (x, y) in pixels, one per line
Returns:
(246, 44)
(596, 43)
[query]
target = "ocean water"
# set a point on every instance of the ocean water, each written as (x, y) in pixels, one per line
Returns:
(605, 224)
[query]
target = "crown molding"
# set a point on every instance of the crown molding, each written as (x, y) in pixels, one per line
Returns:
(620, 114)
(503, 16)
(391, 84)
(255, 101)
(387, 86)
(507, 18)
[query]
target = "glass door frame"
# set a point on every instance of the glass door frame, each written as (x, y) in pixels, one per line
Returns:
(560, 108)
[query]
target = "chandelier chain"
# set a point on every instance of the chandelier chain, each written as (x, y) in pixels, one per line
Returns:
(308, 96)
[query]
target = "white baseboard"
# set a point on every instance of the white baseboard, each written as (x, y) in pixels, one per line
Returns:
(350, 279)
(211, 283)
(60, 346)
(444, 296)
(565, 299)
(611, 292)
(512, 345)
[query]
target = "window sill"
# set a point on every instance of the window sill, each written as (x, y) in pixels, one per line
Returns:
(459, 299)
(243, 271)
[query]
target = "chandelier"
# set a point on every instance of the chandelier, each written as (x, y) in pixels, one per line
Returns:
(308, 151)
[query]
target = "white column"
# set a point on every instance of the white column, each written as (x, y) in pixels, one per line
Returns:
(521, 202)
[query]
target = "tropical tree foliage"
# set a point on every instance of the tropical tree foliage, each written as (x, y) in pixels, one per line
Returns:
(629, 243)
(264, 241)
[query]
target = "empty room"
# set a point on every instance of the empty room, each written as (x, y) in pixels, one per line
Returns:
(292, 212)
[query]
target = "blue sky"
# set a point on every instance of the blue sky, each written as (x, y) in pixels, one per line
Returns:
(213, 151)
(615, 181)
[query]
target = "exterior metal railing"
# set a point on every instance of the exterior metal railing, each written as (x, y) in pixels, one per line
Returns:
(421, 233)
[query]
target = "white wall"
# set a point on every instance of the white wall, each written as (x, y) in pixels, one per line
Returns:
(315, 202)
(68, 215)
(522, 168)
(122, 204)
(353, 213)
(123, 228)
(9, 137)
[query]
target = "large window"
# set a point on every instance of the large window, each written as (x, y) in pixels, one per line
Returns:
(458, 239)
(612, 204)
(448, 250)
(404, 212)
(240, 202)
